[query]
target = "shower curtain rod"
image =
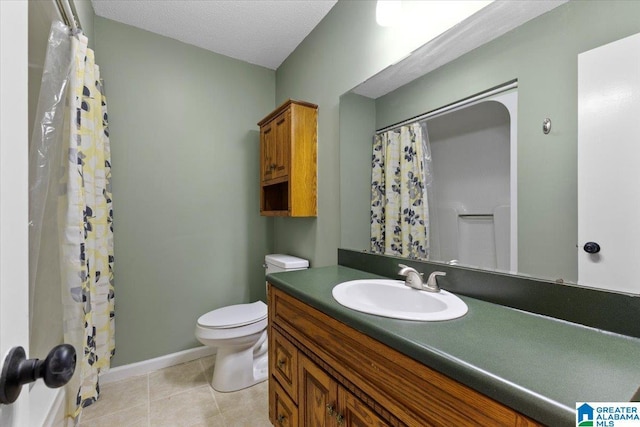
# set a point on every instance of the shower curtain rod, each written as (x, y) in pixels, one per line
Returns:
(69, 16)
(447, 108)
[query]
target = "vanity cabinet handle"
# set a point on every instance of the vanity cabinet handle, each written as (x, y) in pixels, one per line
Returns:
(281, 419)
(281, 364)
(332, 412)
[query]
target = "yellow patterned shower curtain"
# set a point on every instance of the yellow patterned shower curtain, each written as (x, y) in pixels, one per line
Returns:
(400, 175)
(86, 233)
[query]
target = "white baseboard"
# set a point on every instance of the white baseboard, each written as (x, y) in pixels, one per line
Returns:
(146, 366)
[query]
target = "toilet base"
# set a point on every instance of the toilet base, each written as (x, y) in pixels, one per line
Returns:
(237, 368)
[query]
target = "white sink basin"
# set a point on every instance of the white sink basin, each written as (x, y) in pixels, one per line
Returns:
(392, 298)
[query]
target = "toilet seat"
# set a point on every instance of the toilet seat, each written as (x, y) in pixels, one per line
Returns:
(234, 316)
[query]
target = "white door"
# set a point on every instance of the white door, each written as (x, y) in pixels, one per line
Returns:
(609, 165)
(14, 239)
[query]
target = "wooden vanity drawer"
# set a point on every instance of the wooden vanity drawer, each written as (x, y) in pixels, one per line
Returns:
(285, 412)
(284, 366)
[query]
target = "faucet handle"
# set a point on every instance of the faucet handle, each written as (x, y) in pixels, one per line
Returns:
(432, 283)
(405, 269)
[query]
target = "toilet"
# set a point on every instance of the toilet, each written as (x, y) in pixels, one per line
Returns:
(239, 333)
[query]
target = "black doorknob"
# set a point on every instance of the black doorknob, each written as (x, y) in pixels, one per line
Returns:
(591, 247)
(56, 370)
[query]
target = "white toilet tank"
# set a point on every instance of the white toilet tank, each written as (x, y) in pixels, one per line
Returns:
(275, 263)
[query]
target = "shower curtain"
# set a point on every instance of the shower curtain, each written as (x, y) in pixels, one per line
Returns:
(400, 178)
(70, 157)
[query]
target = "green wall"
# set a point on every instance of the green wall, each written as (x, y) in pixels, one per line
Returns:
(357, 126)
(542, 55)
(86, 15)
(184, 145)
(346, 48)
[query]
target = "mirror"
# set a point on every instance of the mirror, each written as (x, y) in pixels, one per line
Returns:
(542, 56)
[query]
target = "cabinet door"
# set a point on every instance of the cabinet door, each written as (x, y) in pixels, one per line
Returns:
(282, 129)
(318, 395)
(267, 151)
(325, 404)
(354, 413)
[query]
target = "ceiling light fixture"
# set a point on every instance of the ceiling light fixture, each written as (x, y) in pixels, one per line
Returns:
(388, 12)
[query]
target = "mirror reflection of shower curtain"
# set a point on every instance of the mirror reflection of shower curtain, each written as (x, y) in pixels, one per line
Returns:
(400, 179)
(432, 211)
(70, 204)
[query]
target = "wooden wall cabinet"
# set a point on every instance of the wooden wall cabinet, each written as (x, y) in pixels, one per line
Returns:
(324, 373)
(288, 159)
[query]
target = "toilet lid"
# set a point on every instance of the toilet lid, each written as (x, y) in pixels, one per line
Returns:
(234, 315)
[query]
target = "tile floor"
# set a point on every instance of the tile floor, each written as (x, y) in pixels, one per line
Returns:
(177, 396)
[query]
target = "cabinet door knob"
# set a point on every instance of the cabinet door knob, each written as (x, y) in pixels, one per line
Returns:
(280, 364)
(340, 419)
(330, 410)
(281, 419)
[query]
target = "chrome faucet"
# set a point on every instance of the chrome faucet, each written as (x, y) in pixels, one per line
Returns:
(413, 276)
(414, 279)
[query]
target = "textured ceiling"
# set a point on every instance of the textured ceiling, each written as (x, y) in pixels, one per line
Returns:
(262, 32)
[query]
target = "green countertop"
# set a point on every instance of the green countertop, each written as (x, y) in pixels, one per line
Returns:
(537, 365)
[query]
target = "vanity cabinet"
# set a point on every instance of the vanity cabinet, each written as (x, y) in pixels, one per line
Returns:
(324, 402)
(288, 157)
(320, 400)
(325, 373)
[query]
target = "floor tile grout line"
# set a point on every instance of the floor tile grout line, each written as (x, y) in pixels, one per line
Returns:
(213, 395)
(211, 391)
(204, 371)
(99, 403)
(186, 390)
(84, 422)
(182, 390)
(202, 365)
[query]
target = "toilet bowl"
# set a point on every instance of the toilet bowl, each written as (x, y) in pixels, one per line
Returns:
(239, 333)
